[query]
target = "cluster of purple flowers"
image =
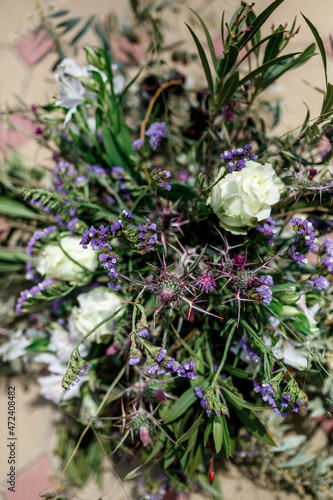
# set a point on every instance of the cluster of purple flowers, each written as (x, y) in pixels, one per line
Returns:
(159, 178)
(65, 175)
(167, 366)
(288, 403)
(327, 261)
(99, 238)
(268, 229)
(32, 292)
(320, 282)
(147, 237)
(204, 402)
(264, 290)
(41, 233)
(156, 132)
(246, 447)
(236, 158)
(245, 346)
(77, 367)
(305, 242)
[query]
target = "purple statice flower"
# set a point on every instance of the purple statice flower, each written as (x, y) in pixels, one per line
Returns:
(127, 214)
(156, 132)
(97, 170)
(159, 178)
(30, 272)
(207, 282)
(161, 355)
(41, 233)
(305, 241)
(32, 292)
(137, 144)
(267, 229)
(320, 282)
(264, 290)
(71, 225)
(198, 392)
(327, 260)
(236, 159)
(134, 361)
(245, 346)
(183, 176)
(143, 333)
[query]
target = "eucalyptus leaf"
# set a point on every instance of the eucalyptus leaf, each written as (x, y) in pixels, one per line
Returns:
(254, 425)
(218, 433)
(298, 460)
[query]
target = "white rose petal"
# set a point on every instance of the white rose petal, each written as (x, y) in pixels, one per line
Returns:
(94, 307)
(243, 198)
(52, 262)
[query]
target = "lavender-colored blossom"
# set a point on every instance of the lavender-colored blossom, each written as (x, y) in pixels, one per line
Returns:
(236, 159)
(305, 241)
(143, 333)
(244, 345)
(320, 282)
(32, 292)
(41, 233)
(137, 144)
(198, 392)
(267, 229)
(134, 361)
(156, 132)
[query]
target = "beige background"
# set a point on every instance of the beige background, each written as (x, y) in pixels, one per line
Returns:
(36, 419)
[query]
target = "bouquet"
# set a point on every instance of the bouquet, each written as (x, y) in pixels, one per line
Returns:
(177, 298)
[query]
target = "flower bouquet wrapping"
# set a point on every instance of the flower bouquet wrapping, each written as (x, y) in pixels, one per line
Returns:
(178, 307)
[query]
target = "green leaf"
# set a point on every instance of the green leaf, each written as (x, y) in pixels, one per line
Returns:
(254, 425)
(226, 437)
(236, 400)
(237, 372)
(328, 100)
(298, 460)
(228, 61)
(68, 25)
(59, 13)
(262, 69)
(38, 345)
(229, 88)
(82, 30)
(134, 473)
(319, 43)
(191, 430)
(14, 256)
(187, 399)
(208, 38)
(218, 433)
(204, 61)
(208, 430)
(260, 20)
(181, 191)
(273, 45)
(15, 209)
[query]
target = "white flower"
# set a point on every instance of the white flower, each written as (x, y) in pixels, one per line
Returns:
(243, 198)
(285, 350)
(15, 347)
(52, 262)
(94, 307)
(63, 343)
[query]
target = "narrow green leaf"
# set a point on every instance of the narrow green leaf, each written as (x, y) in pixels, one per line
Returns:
(328, 100)
(298, 460)
(273, 45)
(222, 29)
(237, 372)
(134, 473)
(59, 13)
(208, 430)
(226, 436)
(319, 43)
(14, 208)
(218, 433)
(261, 69)
(14, 256)
(208, 38)
(192, 429)
(82, 30)
(68, 25)
(228, 90)
(228, 61)
(204, 61)
(254, 425)
(186, 400)
(260, 20)
(250, 21)
(236, 400)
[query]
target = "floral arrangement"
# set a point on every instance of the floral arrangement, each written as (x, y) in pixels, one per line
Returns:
(179, 264)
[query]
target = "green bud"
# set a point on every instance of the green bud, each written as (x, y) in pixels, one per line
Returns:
(289, 298)
(88, 83)
(92, 57)
(290, 311)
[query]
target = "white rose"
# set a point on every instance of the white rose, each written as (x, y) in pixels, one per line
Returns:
(94, 307)
(52, 262)
(243, 198)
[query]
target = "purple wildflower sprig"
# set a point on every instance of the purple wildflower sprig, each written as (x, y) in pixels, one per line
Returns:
(284, 402)
(156, 132)
(33, 244)
(305, 241)
(248, 349)
(65, 176)
(76, 367)
(159, 178)
(267, 229)
(212, 401)
(326, 254)
(41, 291)
(236, 159)
(143, 236)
